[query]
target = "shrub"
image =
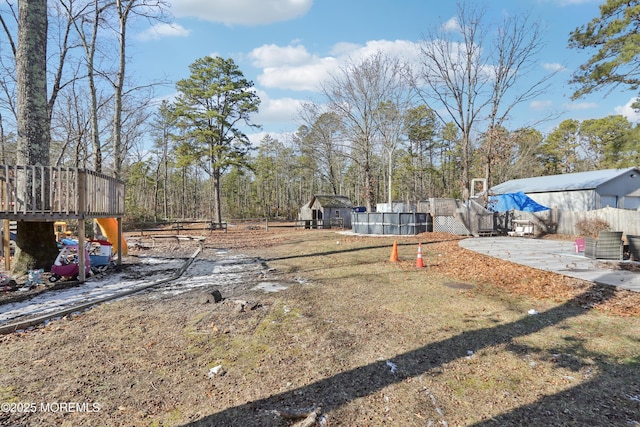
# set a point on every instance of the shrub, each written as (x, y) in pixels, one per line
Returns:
(591, 227)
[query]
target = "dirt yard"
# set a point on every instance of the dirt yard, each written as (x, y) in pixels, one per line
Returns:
(353, 340)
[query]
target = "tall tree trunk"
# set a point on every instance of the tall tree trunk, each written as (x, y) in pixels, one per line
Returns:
(156, 190)
(31, 63)
(90, 49)
(216, 194)
(370, 193)
(183, 196)
(123, 9)
(35, 241)
(165, 157)
(3, 144)
(465, 175)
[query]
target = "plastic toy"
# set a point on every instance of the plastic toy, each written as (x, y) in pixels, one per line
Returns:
(66, 263)
(100, 253)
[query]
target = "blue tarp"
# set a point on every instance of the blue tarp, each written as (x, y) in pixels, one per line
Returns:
(515, 201)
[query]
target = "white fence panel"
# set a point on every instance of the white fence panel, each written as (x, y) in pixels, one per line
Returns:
(564, 222)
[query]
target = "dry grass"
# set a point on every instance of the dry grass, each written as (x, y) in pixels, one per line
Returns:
(368, 341)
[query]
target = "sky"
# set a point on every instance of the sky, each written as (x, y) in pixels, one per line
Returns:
(289, 47)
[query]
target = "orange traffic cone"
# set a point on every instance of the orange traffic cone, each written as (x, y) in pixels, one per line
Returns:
(394, 252)
(419, 263)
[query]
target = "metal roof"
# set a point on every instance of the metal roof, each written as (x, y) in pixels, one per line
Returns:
(332, 201)
(564, 182)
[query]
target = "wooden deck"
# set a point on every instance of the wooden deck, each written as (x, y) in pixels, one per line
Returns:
(49, 193)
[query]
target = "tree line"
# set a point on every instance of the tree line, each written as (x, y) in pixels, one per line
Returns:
(382, 130)
(388, 131)
(282, 175)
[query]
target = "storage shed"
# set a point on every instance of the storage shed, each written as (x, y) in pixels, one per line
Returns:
(581, 191)
(325, 211)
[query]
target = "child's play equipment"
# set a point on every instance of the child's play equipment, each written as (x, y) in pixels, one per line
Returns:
(100, 253)
(109, 227)
(66, 264)
(60, 230)
(61, 194)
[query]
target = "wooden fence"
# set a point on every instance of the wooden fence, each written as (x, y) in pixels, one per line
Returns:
(564, 222)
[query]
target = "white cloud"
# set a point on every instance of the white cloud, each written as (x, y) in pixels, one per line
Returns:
(553, 66)
(540, 105)
(303, 78)
(290, 67)
(293, 67)
(272, 55)
(627, 111)
(243, 12)
(277, 110)
(344, 49)
(406, 50)
(452, 25)
(163, 30)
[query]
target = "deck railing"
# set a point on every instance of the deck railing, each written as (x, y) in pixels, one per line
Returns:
(50, 193)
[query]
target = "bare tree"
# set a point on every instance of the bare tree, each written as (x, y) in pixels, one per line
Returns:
(320, 138)
(70, 128)
(8, 73)
(59, 49)
(163, 127)
(391, 125)
(421, 130)
(518, 45)
(355, 94)
(474, 81)
(64, 45)
(126, 10)
(451, 77)
(86, 19)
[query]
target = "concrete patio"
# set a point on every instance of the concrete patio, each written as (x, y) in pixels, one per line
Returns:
(556, 256)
